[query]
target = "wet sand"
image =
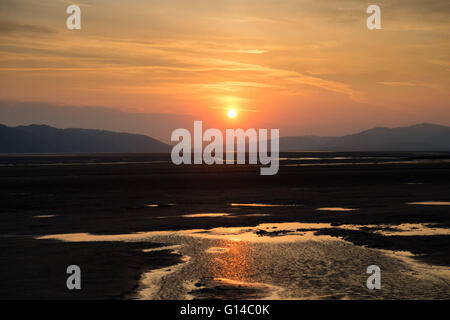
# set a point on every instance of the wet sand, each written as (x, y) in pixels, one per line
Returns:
(119, 199)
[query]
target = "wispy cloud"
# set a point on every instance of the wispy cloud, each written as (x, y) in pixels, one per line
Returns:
(10, 27)
(405, 84)
(398, 83)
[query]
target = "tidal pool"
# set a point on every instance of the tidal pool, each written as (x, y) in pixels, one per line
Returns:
(279, 261)
(263, 205)
(336, 209)
(45, 216)
(431, 203)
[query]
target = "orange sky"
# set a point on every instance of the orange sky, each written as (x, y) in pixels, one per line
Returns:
(305, 66)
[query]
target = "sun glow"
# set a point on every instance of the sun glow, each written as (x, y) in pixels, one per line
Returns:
(232, 113)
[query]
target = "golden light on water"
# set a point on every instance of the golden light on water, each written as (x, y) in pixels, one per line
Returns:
(236, 263)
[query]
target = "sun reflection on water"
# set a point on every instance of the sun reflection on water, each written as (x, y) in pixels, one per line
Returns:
(235, 263)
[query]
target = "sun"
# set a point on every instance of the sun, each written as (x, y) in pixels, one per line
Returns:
(232, 113)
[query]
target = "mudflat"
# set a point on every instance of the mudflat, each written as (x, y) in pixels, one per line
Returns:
(120, 216)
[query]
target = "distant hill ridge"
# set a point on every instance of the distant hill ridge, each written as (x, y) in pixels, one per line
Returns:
(46, 139)
(419, 137)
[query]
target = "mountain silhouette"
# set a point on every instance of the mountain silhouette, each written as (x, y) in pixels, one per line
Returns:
(46, 139)
(420, 137)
